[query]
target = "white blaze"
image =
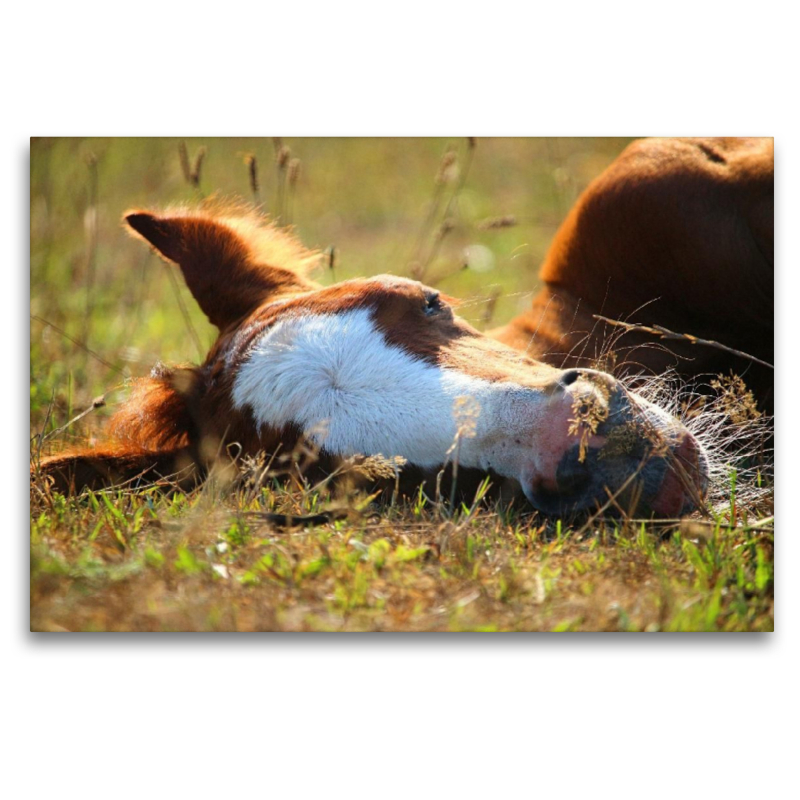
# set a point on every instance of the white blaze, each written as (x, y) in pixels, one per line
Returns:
(335, 377)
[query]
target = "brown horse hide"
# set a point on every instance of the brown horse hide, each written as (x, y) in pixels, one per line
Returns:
(676, 233)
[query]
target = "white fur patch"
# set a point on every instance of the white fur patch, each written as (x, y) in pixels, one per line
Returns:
(335, 377)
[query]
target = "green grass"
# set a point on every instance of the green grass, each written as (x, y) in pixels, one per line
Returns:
(208, 560)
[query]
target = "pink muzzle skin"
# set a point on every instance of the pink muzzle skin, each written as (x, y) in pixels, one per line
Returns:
(600, 443)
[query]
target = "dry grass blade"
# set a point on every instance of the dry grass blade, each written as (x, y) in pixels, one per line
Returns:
(292, 176)
(98, 402)
(183, 157)
(40, 437)
(330, 260)
(491, 305)
(282, 156)
(612, 498)
(674, 463)
(198, 166)
(665, 333)
(251, 162)
(192, 172)
(493, 223)
(82, 346)
(448, 173)
(176, 290)
(90, 223)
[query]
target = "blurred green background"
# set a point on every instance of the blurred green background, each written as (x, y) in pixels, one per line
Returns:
(103, 307)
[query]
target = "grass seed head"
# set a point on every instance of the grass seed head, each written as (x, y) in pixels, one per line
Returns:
(378, 466)
(735, 398)
(183, 155)
(198, 166)
(282, 157)
(448, 168)
(492, 223)
(252, 170)
(589, 410)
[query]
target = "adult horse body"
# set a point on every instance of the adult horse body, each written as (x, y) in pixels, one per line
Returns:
(678, 233)
(377, 366)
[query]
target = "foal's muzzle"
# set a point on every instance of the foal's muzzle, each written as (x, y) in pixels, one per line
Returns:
(607, 449)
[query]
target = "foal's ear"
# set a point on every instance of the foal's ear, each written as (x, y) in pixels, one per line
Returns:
(231, 264)
(163, 233)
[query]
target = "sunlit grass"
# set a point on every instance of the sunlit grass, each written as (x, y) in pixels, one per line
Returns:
(211, 559)
(147, 561)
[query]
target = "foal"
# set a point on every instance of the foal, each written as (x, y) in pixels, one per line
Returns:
(375, 366)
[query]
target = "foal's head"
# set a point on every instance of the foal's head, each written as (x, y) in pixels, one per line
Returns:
(385, 366)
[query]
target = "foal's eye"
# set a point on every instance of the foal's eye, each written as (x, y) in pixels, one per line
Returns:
(432, 303)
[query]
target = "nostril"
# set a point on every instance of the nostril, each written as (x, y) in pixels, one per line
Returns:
(569, 376)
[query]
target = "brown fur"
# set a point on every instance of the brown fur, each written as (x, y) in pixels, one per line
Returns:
(115, 464)
(398, 311)
(258, 261)
(676, 232)
(151, 436)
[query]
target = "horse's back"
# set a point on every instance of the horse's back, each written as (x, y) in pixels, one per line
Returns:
(676, 232)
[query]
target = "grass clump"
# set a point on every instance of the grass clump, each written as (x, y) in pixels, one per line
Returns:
(147, 561)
